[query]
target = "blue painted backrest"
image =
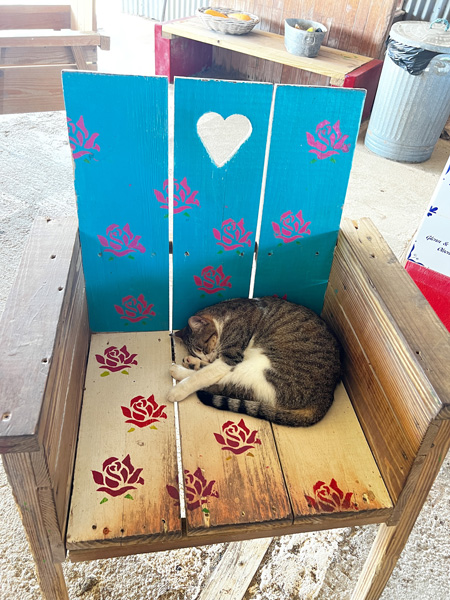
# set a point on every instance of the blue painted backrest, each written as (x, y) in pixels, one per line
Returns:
(255, 166)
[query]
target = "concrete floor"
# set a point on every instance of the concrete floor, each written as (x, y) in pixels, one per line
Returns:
(36, 179)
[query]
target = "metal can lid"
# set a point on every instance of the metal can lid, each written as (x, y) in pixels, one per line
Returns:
(423, 34)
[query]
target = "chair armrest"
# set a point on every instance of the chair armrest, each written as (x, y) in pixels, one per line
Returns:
(44, 336)
(397, 350)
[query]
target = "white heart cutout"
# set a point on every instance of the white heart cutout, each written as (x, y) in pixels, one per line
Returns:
(221, 137)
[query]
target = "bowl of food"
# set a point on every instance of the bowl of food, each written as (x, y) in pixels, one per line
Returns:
(227, 20)
(303, 37)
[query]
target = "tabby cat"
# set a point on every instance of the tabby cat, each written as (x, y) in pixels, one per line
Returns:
(264, 357)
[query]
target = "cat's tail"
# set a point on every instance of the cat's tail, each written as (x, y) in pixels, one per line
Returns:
(300, 417)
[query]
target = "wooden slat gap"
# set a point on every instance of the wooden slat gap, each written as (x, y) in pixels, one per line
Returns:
(263, 193)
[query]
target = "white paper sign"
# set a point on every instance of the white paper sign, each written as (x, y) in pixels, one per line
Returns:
(431, 246)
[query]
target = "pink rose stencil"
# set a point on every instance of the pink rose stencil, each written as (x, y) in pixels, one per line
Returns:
(133, 309)
(212, 280)
(81, 142)
(291, 227)
(120, 241)
(330, 142)
(183, 197)
(233, 235)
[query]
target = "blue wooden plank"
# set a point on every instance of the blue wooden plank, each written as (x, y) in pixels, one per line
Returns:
(313, 139)
(216, 200)
(118, 135)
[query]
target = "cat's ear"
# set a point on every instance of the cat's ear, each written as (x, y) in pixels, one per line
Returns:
(196, 323)
(180, 333)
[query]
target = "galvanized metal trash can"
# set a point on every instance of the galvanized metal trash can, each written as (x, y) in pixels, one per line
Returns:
(410, 111)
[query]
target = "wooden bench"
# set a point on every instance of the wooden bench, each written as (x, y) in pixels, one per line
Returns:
(185, 47)
(97, 351)
(31, 60)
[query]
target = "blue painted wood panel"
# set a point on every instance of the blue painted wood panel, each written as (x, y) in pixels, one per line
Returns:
(216, 201)
(118, 136)
(313, 139)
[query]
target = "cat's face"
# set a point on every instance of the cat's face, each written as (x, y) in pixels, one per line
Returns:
(200, 338)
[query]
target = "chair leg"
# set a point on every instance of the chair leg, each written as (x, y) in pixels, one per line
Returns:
(37, 511)
(390, 541)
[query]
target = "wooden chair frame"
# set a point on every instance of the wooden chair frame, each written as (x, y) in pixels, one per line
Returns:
(397, 354)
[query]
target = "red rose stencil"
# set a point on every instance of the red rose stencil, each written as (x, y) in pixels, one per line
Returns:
(115, 359)
(237, 438)
(117, 477)
(142, 411)
(330, 498)
(197, 490)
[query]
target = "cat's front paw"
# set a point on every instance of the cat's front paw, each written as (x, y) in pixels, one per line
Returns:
(192, 362)
(178, 372)
(176, 394)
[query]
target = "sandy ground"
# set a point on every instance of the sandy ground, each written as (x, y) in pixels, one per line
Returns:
(36, 179)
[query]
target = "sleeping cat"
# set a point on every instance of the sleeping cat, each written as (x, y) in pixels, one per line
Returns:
(264, 357)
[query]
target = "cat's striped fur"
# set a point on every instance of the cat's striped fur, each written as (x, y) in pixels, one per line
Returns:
(263, 357)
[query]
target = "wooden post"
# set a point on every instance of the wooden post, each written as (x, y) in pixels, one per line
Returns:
(83, 17)
(37, 510)
(390, 541)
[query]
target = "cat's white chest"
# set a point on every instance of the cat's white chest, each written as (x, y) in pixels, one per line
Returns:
(250, 373)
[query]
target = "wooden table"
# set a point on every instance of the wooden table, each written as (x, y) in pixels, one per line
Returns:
(185, 47)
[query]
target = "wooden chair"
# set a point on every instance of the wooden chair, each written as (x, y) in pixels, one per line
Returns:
(37, 42)
(89, 443)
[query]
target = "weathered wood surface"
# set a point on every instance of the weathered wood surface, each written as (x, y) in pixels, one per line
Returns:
(357, 27)
(237, 567)
(261, 44)
(142, 545)
(44, 37)
(126, 452)
(401, 357)
(36, 508)
(426, 341)
(390, 541)
(329, 467)
(60, 413)
(238, 474)
(326, 469)
(31, 88)
(45, 403)
(28, 338)
(83, 15)
(17, 56)
(35, 16)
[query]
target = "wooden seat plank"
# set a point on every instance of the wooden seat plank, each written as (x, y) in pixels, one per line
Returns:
(329, 468)
(270, 46)
(232, 461)
(118, 503)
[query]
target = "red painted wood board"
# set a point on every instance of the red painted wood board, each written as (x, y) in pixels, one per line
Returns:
(435, 287)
